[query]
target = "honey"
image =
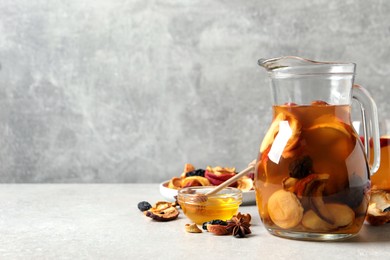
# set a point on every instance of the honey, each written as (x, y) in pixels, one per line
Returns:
(221, 206)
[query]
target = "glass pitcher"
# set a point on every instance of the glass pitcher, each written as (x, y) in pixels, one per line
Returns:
(312, 177)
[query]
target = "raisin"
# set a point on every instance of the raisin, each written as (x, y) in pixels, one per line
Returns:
(144, 206)
(214, 222)
(301, 167)
(386, 209)
(197, 172)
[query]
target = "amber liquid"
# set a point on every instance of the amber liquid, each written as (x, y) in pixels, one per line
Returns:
(215, 208)
(381, 179)
(324, 134)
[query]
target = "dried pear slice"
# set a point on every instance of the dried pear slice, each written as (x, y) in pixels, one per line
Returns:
(317, 201)
(284, 209)
(305, 186)
(342, 214)
(312, 221)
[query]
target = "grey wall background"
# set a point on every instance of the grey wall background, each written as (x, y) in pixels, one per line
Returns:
(129, 91)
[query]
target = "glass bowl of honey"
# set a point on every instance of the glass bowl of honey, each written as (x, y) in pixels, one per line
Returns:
(222, 205)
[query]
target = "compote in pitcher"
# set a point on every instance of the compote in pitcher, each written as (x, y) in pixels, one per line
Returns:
(320, 181)
(312, 178)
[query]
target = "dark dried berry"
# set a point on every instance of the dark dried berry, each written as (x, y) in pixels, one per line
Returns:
(386, 209)
(144, 206)
(214, 222)
(301, 167)
(197, 172)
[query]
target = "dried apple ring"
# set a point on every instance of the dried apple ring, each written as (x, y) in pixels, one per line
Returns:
(175, 183)
(245, 183)
(274, 130)
(195, 181)
(284, 208)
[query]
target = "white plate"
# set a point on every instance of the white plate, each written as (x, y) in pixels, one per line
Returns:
(248, 197)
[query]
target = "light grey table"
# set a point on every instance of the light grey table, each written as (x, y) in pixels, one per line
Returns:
(102, 221)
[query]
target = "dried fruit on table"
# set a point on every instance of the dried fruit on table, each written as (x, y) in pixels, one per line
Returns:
(379, 208)
(163, 211)
(144, 205)
(192, 228)
(239, 225)
(214, 222)
(216, 229)
(284, 208)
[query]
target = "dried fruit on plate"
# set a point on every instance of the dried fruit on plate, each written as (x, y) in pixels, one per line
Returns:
(212, 176)
(194, 181)
(217, 175)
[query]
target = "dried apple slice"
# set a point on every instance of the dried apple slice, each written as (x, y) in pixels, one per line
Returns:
(274, 130)
(284, 209)
(175, 183)
(217, 175)
(166, 214)
(312, 221)
(245, 183)
(194, 181)
(188, 167)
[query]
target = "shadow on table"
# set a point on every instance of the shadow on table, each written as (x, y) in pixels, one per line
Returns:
(370, 233)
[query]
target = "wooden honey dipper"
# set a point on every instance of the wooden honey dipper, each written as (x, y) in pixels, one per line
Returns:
(203, 197)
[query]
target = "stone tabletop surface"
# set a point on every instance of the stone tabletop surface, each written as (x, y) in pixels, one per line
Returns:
(102, 221)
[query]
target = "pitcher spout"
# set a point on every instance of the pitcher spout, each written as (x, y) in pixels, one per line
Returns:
(293, 65)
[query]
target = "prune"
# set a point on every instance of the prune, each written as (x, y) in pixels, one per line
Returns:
(301, 167)
(144, 206)
(197, 172)
(214, 222)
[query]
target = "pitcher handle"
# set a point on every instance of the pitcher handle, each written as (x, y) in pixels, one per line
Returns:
(370, 124)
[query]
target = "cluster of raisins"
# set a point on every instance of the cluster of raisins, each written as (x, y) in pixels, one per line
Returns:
(197, 172)
(301, 167)
(214, 222)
